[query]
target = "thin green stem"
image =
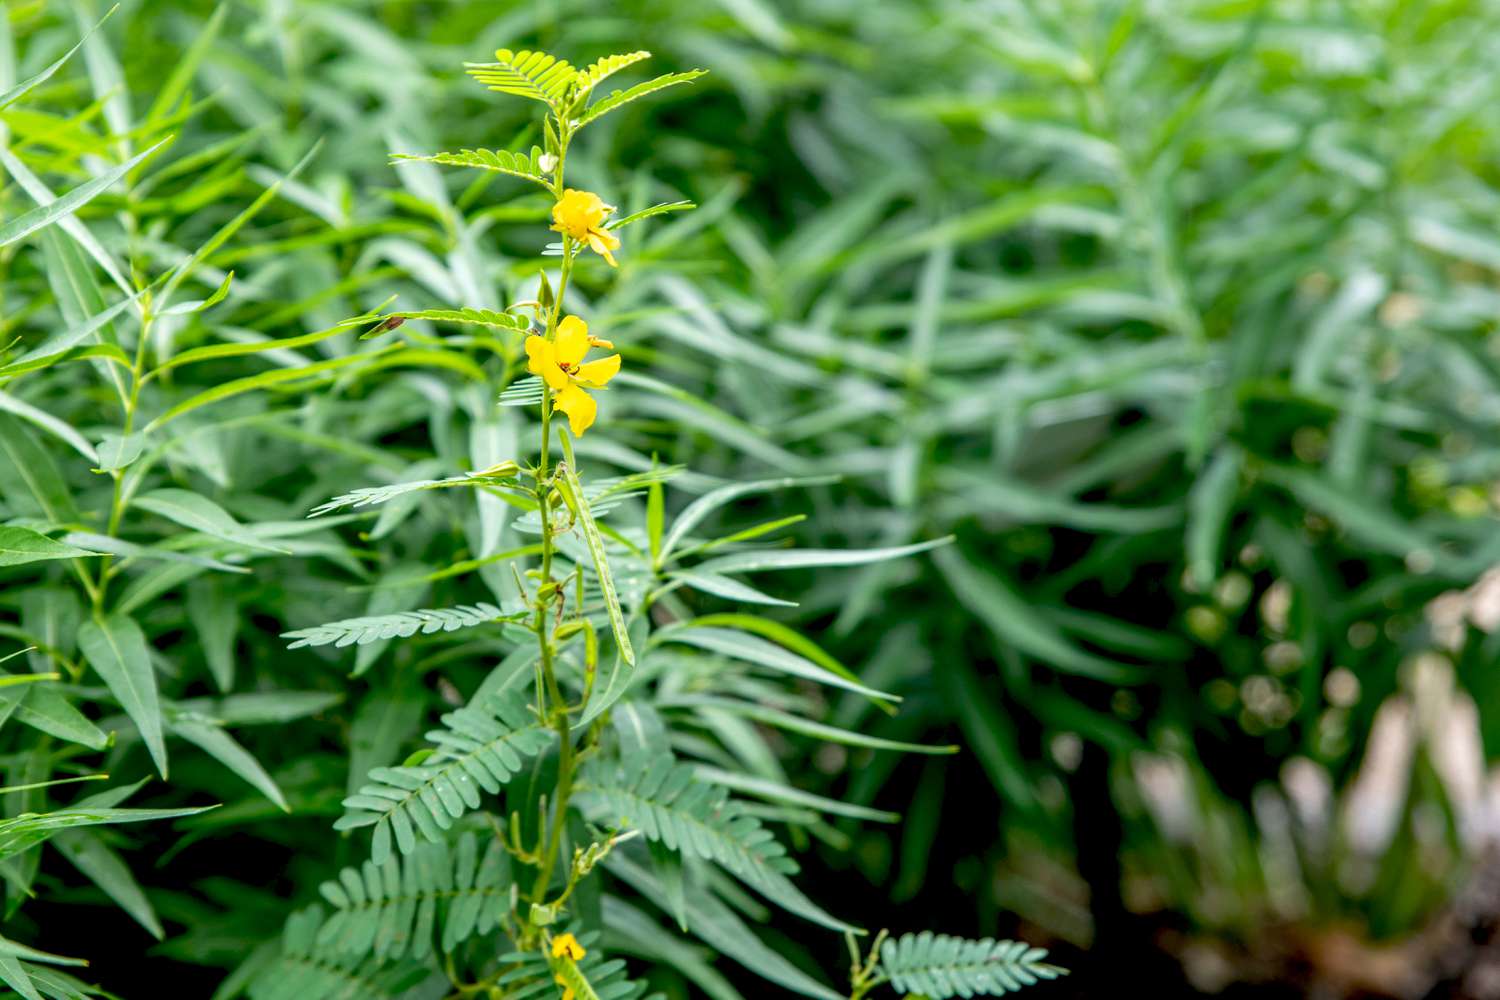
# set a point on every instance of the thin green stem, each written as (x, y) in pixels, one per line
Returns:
(117, 501)
(555, 706)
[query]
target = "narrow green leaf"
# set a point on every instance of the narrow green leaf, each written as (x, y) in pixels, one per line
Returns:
(1209, 508)
(572, 492)
(1016, 623)
(31, 83)
(264, 380)
(116, 647)
(29, 222)
(22, 545)
(775, 559)
(694, 513)
(88, 852)
(199, 513)
(44, 708)
(218, 744)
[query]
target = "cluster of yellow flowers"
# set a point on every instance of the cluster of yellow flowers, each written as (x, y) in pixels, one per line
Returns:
(567, 946)
(580, 216)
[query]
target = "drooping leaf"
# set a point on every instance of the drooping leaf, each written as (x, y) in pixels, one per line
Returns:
(115, 646)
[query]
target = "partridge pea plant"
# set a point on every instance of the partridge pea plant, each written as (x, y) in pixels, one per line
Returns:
(618, 762)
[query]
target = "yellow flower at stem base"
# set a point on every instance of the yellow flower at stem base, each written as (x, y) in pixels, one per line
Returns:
(567, 944)
(567, 990)
(580, 215)
(560, 364)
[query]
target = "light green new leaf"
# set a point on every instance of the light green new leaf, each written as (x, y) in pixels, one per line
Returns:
(536, 75)
(116, 452)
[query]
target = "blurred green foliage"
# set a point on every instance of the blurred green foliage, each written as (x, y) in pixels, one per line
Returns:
(1180, 315)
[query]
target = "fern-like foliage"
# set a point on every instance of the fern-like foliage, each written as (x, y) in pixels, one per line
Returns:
(526, 392)
(304, 971)
(366, 495)
(536, 75)
(939, 965)
(393, 909)
(607, 67)
(371, 628)
(646, 213)
(480, 747)
(668, 803)
(620, 98)
(522, 165)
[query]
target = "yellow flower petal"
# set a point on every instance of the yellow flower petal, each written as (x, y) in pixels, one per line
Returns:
(579, 406)
(567, 944)
(577, 212)
(597, 373)
(603, 247)
(572, 340)
(541, 359)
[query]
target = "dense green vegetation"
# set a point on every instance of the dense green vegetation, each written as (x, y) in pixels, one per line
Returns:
(1177, 317)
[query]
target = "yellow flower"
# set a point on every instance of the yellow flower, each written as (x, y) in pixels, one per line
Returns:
(559, 364)
(567, 990)
(580, 215)
(567, 944)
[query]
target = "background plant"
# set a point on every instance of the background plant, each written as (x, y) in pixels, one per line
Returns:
(955, 254)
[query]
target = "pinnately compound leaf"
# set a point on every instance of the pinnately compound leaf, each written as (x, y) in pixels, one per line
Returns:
(536, 75)
(939, 966)
(667, 802)
(525, 166)
(479, 747)
(358, 631)
(619, 98)
(396, 908)
(367, 495)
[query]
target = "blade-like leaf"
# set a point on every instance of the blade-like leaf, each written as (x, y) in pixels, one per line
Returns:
(29, 222)
(116, 647)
